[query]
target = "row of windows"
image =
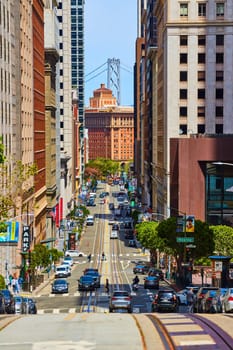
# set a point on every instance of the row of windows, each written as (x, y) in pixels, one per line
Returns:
(202, 9)
(4, 17)
(219, 58)
(219, 110)
(219, 75)
(200, 129)
(201, 39)
(201, 94)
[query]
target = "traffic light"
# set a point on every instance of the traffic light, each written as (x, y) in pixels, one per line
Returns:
(188, 254)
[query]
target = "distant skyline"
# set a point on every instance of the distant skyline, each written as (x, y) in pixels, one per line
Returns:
(110, 32)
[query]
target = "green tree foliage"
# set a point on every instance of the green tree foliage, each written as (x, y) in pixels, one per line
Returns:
(2, 157)
(101, 167)
(223, 239)
(147, 235)
(40, 256)
(54, 255)
(203, 239)
(2, 282)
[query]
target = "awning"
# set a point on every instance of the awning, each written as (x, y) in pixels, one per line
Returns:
(48, 240)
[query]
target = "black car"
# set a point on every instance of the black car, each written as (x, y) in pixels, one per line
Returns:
(9, 301)
(111, 206)
(95, 275)
(164, 300)
(2, 304)
(132, 243)
(29, 306)
(156, 272)
(86, 283)
(115, 227)
(60, 286)
(151, 282)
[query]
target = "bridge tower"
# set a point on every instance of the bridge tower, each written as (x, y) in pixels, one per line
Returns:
(114, 82)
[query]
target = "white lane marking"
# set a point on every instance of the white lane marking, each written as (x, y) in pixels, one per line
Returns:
(56, 311)
(72, 311)
(196, 342)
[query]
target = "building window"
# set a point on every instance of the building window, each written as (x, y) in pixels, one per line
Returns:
(201, 93)
(183, 58)
(201, 75)
(183, 129)
(184, 10)
(219, 129)
(202, 10)
(183, 94)
(183, 76)
(219, 57)
(219, 75)
(219, 111)
(219, 40)
(183, 111)
(201, 58)
(219, 94)
(201, 111)
(201, 40)
(183, 40)
(201, 128)
(220, 9)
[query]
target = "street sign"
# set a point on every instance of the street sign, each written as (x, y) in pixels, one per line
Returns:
(190, 246)
(184, 239)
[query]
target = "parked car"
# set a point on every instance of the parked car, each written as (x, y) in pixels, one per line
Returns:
(62, 271)
(60, 286)
(120, 299)
(151, 282)
(9, 301)
(156, 272)
(111, 220)
(111, 206)
(165, 300)
(74, 253)
(129, 234)
(18, 304)
(114, 234)
(227, 301)
(90, 220)
(29, 306)
(91, 202)
(95, 275)
(132, 243)
(182, 294)
(69, 260)
(142, 269)
(115, 227)
(86, 283)
(2, 304)
(197, 306)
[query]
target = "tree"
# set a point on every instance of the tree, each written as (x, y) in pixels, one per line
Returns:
(203, 239)
(147, 235)
(101, 167)
(223, 239)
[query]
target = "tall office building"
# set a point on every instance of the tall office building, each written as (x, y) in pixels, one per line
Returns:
(65, 110)
(191, 116)
(77, 76)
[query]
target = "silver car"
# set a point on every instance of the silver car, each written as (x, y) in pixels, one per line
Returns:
(18, 304)
(120, 300)
(227, 301)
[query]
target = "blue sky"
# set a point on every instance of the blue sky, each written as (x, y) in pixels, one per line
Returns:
(110, 32)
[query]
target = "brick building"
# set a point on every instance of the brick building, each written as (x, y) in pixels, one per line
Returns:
(110, 127)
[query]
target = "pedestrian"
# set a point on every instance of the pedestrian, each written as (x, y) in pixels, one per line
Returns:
(190, 299)
(103, 257)
(107, 286)
(89, 257)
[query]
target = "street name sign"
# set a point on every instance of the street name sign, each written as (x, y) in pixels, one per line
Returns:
(184, 239)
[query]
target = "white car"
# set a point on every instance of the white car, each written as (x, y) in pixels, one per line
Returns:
(69, 260)
(62, 271)
(227, 301)
(182, 296)
(67, 264)
(74, 253)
